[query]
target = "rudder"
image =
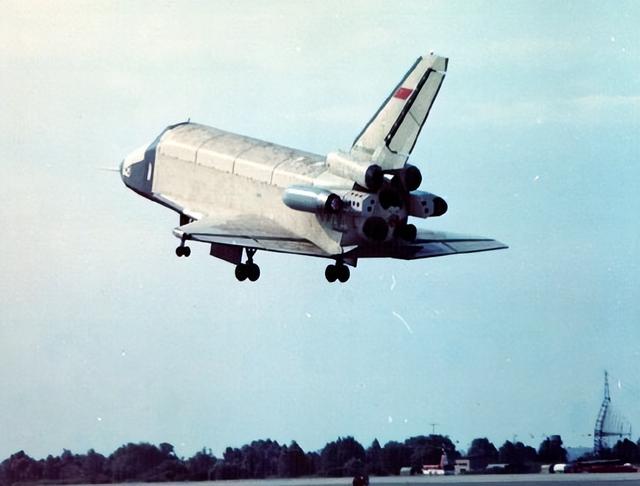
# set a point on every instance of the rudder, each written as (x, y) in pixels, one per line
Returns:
(391, 134)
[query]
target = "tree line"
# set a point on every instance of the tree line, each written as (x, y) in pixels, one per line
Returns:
(268, 459)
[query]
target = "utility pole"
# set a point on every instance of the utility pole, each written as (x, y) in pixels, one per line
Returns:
(433, 427)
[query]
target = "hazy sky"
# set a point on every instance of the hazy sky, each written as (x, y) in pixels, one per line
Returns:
(106, 337)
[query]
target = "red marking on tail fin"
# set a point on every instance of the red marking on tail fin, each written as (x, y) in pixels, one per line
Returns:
(403, 93)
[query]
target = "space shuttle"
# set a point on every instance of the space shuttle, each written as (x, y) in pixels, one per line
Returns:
(239, 195)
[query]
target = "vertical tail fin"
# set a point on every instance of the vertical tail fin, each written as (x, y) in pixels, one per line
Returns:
(391, 134)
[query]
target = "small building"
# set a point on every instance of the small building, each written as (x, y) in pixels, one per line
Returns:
(462, 466)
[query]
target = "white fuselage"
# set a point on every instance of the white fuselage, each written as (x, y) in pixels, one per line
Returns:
(198, 170)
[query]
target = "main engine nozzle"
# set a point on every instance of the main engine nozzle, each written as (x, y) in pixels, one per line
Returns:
(440, 206)
(375, 228)
(412, 177)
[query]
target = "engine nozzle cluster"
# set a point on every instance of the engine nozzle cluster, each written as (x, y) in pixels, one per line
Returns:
(377, 212)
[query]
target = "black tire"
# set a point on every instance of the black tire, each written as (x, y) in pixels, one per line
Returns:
(343, 273)
(331, 273)
(186, 251)
(241, 272)
(253, 271)
(179, 251)
(409, 233)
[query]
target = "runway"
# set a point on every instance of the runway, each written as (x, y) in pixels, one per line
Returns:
(618, 479)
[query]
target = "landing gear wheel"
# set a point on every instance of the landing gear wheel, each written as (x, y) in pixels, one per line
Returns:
(248, 270)
(343, 273)
(183, 251)
(253, 271)
(331, 273)
(241, 272)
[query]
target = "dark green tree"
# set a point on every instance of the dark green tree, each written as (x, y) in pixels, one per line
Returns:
(35, 469)
(145, 462)
(260, 458)
(271, 456)
(551, 451)
(70, 467)
(518, 453)
(292, 462)
(252, 461)
(93, 467)
(429, 450)
(314, 462)
(232, 455)
(482, 452)
(373, 460)
(200, 466)
(257, 460)
(17, 468)
(626, 451)
(395, 456)
(336, 454)
(223, 470)
(507, 453)
(233, 466)
(51, 468)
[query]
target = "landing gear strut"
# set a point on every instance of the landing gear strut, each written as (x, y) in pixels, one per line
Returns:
(183, 250)
(248, 270)
(339, 271)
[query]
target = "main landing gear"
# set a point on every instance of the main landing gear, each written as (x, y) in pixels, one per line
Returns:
(248, 270)
(339, 271)
(183, 250)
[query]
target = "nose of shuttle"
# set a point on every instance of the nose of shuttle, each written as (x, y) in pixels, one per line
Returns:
(136, 170)
(135, 157)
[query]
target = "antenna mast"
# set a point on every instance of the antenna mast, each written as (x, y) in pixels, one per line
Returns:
(599, 442)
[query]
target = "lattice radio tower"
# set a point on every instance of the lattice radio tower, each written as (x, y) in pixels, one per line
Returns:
(608, 423)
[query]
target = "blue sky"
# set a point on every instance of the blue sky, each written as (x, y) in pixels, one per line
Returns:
(106, 337)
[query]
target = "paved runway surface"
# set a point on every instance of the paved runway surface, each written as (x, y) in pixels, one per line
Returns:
(488, 480)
